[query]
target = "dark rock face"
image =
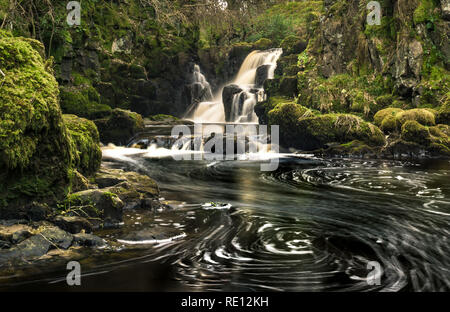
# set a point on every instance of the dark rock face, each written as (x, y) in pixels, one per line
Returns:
(227, 97)
(262, 73)
(407, 67)
(32, 211)
(288, 86)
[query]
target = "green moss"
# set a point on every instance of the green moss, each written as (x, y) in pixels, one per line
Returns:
(390, 124)
(263, 44)
(35, 147)
(314, 132)
(163, 117)
(412, 131)
(120, 127)
(443, 115)
(382, 114)
(353, 148)
(423, 116)
(424, 12)
(83, 102)
(85, 136)
(286, 115)
(292, 44)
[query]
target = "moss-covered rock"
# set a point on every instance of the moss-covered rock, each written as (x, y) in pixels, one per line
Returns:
(286, 115)
(315, 132)
(423, 116)
(87, 154)
(263, 44)
(83, 102)
(293, 45)
(352, 149)
(391, 119)
(390, 124)
(412, 131)
(35, 147)
(382, 114)
(120, 127)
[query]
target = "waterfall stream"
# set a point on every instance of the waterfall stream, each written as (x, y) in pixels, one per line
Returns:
(257, 67)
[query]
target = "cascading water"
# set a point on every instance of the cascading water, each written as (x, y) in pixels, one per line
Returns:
(256, 68)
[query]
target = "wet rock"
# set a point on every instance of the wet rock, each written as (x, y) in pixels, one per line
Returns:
(227, 97)
(73, 224)
(87, 240)
(33, 247)
(157, 233)
(56, 237)
(107, 205)
(15, 233)
(141, 183)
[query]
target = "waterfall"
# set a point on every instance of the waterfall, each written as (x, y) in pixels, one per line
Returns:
(256, 68)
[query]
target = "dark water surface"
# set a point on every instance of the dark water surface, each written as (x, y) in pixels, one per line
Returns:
(312, 225)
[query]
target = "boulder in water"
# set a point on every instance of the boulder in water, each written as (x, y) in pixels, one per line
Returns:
(262, 74)
(227, 97)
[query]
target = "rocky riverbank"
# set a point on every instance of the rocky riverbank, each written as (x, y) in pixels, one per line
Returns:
(69, 228)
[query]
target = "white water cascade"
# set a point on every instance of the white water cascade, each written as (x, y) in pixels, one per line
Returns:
(249, 88)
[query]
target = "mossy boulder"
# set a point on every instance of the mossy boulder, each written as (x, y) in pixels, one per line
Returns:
(263, 44)
(391, 119)
(35, 146)
(293, 45)
(97, 205)
(301, 128)
(354, 149)
(120, 127)
(433, 140)
(286, 115)
(382, 114)
(390, 124)
(87, 154)
(315, 132)
(412, 131)
(425, 117)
